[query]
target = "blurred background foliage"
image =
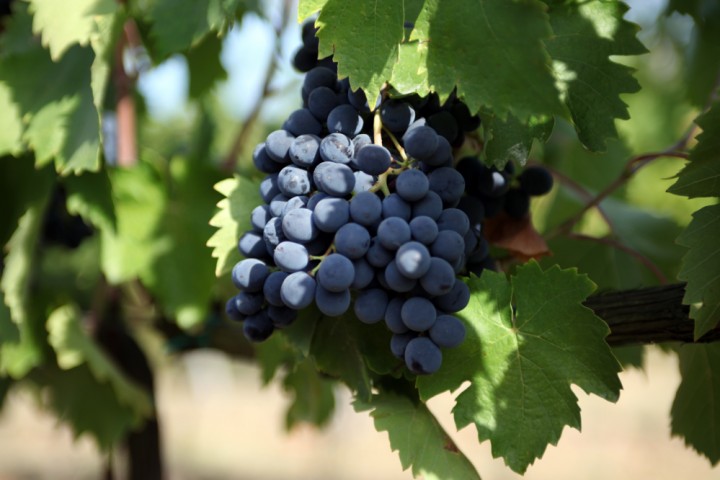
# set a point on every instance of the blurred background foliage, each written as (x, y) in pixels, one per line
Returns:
(156, 269)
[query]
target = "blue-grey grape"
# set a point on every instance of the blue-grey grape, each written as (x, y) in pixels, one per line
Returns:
(334, 179)
(336, 273)
(370, 305)
(422, 356)
(366, 208)
(352, 240)
(291, 256)
(298, 225)
(331, 213)
(418, 314)
(412, 259)
(330, 303)
(412, 185)
(447, 332)
(298, 290)
(249, 274)
(373, 159)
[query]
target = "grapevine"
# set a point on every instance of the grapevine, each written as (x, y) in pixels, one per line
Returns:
(454, 220)
(391, 222)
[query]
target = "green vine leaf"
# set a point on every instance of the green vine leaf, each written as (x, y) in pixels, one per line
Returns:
(368, 66)
(181, 244)
(474, 48)
(309, 7)
(700, 268)
(16, 282)
(73, 348)
(528, 340)
(180, 24)
(89, 195)
(232, 220)
(205, 66)
(701, 178)
(586, 35)
(96, 411)
(61, 121)
(510, 140)
(140, 201)
(313, 397)
(701, 175)
(345, 348)
(696, 408)
(703, 49)
(338, 353)
(10, 124)
(80, 22)
(419, 439)
(11, 340)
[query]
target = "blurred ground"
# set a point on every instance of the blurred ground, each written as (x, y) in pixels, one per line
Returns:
(218, 423)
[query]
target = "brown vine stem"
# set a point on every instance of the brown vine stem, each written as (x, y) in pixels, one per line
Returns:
(582, 191)
(620, 246)
(241, 138)
(631, 167)
(127, 151)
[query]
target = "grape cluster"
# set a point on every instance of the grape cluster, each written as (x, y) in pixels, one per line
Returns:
(490, 192)
(363, 209)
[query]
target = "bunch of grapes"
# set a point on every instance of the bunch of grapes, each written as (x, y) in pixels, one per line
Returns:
(364, 210)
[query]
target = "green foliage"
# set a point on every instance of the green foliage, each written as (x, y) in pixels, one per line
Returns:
(510, 140)
(701, 175)
(347, 349)
(700, 268)
(419, 439)
(59, 121)
(16, 284)
(182, 275)
(232, 220)
(703, 52)
(73, 347)
(204, 66)
(529, 339)
(82, 20)
(695, 415)
(139, 200)
(179, 25)
(549, 67)
(87, 405)
(544, 78)
(586, 35)
(701, 178)
(313, 397)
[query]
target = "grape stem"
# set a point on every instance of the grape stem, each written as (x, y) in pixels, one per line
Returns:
(381, 183)
(322, 258)
(397, 145)
(377, 128)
